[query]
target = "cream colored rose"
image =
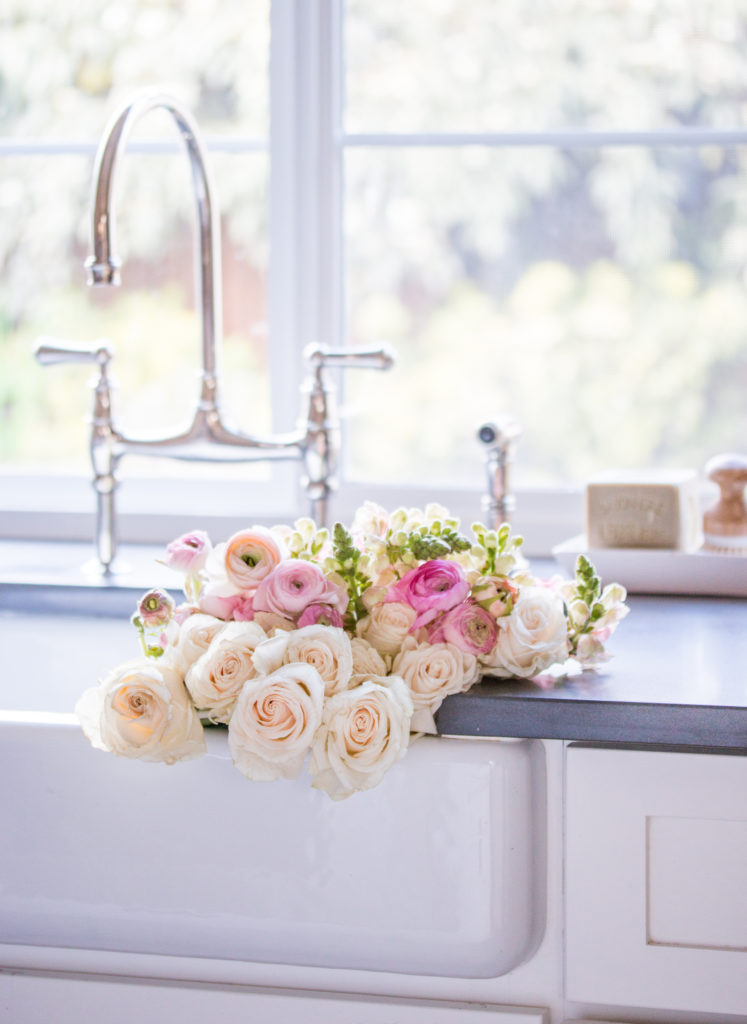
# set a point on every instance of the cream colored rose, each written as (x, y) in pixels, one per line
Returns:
(387, 625)
(142, 710)
(195, 636)
(367, 662)
(433, 671)
(327, 648)
(216, 678)
(274, 722)
(364, 732)
(532, 638)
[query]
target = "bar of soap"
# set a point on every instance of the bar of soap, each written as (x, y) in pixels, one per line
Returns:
(644, 509)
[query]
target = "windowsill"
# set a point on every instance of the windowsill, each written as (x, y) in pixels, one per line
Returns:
(155, 510)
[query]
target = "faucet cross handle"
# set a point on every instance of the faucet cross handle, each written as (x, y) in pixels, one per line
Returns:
(51, 351)
(319, 356)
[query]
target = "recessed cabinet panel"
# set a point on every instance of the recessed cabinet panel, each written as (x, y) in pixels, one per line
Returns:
(656, 899)
(696, 890)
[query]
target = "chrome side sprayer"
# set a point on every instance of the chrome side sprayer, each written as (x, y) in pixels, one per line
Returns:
(499, 439)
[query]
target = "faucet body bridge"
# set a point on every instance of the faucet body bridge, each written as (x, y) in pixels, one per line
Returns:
(315, 441)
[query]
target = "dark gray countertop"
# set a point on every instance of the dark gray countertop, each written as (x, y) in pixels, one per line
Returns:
(678, 677)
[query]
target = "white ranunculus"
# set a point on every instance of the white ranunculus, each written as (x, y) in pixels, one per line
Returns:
(274, 722)
(367, 661)
(327, 648)
(195, 636)
(532, 638)
(216, 678)
(364, 731)
(433, 671)
(387, 625)
(142, 710)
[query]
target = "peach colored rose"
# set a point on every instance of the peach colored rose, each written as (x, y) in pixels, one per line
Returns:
(364, 732)
(386, 626)
(142, 710)
(215, 680)
(433, 671)
(274, 722)
(327, 648)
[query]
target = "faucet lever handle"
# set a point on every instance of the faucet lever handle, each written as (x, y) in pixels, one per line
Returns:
(51, 351)
(381, 358)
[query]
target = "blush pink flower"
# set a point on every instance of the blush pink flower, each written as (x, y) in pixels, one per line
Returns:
(321, 615)
(189, 552)
(221, 607)
(468, 626)
(156, 608)
(296, 584)
(432, 588)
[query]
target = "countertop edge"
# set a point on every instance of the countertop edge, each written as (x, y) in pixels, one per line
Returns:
(686, 726)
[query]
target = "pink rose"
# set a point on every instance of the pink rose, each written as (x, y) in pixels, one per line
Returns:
(433, 587)
(189, 552)
(294, 585)
(468, 626)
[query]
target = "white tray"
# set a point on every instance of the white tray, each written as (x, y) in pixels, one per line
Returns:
(652, 571)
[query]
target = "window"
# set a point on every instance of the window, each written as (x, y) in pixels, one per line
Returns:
(543, 207)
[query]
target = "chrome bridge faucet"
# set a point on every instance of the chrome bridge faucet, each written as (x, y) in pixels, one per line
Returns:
(316, 440)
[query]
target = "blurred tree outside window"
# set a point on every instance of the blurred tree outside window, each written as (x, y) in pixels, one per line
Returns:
(65, 68)
(546, 212)
(544, 208)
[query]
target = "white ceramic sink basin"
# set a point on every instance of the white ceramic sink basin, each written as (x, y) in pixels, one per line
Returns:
(439, 870)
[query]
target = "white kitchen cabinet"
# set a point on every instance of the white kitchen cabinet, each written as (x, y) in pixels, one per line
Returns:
(656, 880)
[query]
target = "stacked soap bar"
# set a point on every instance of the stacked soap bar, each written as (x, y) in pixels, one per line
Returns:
(656, 509)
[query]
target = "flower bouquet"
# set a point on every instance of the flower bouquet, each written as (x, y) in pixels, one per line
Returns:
(334, 650)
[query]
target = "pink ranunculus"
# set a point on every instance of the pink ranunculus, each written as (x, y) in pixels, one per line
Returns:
(156, 608)
(433, 587)
(468, 626)
(189, 552)
(320, 614)
(294, 585)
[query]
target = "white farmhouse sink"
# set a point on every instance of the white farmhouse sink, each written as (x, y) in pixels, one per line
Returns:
(439, 870)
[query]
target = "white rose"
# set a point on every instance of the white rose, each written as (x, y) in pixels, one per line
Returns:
(274, 722)
(195, 636)
(387, 625)
(216, 678)
(433, 671)
(142, 710)
(367, 661)
(533, 637)
(327, 648)
(364, 731)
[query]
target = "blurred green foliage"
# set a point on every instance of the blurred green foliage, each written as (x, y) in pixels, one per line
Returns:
(598, 294)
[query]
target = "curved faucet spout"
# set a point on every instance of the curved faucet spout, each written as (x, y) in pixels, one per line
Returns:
(103, 265)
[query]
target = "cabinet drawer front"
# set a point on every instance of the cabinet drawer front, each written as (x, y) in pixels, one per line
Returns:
(656, 890)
